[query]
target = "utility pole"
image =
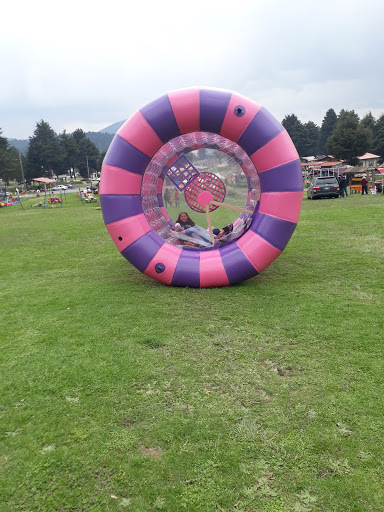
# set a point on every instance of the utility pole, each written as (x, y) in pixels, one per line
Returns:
(22, 173)
(87, 167)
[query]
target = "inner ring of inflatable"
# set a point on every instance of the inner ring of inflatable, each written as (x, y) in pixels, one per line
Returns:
(152, 198)
(132, 180)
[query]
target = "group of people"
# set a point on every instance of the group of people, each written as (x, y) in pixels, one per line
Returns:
(186, 229)
(364, 186)
(169, 200)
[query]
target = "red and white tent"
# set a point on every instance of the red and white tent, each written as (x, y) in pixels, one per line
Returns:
(44, 180)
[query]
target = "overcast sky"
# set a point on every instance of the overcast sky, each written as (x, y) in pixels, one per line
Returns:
(82, 64)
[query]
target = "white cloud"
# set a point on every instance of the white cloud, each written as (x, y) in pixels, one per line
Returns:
(88, 66)
(311, 100)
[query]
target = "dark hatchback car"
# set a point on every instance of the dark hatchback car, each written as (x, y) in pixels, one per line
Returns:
(328, 186)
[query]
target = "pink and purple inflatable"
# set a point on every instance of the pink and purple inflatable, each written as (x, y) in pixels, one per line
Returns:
(158, 134)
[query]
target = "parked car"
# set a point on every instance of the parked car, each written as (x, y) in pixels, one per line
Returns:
(69, 186)
(327, 186)
(59, 187)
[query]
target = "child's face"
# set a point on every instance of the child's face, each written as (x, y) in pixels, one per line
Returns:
(183, 217)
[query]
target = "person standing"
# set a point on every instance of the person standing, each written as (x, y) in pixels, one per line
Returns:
(167, 196)
(177, 197)
(343, 186)
(364, 185)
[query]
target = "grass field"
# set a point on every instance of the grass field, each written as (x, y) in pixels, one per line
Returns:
(119, 393)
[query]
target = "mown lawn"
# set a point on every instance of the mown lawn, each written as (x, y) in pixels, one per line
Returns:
(119, 393)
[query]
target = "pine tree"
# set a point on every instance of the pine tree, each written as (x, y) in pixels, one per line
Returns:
(378, 141)
(70, 150)
(311, 138)
(44, 152)
(350, 139)
(9, 161)
(296, 131)
(327, 127)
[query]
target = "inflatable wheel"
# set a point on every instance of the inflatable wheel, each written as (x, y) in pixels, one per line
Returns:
(154, 148)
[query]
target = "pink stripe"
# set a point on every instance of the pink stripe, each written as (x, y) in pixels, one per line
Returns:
(129, 230)
(234, 126)
(172, 159)
(160, 186)
(117, 181)
(138, 132)
(169, 256)
(284, 205)
(165, 214)
(259, 252)
(185, 104)
(212, 272)
(278, 151)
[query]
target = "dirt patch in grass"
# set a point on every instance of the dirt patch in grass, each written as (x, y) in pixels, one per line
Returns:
(152, 452)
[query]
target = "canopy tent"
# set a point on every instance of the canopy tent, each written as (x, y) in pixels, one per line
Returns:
(44, 180)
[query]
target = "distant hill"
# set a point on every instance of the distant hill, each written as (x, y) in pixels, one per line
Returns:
(112, 128)
(20, 144)
(101, 139)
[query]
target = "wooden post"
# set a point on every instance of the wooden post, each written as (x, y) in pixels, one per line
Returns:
(230, 207)
(209, 224)
(22, 173)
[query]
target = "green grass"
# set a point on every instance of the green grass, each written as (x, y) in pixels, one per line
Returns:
(119, 393)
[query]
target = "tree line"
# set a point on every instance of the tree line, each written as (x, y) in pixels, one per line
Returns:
(345, 136)
(49, 154)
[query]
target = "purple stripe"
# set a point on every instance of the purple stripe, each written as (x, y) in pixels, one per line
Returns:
(213, 107)
(160, 200)
(284, 178)
(275, 231)
(122, 154)
(118, 206)
(141, 252)
(187, 272)
(262, 129)
(236, 264)
(160, 116)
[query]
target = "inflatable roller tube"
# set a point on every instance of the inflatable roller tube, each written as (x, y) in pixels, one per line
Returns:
(188, 111)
